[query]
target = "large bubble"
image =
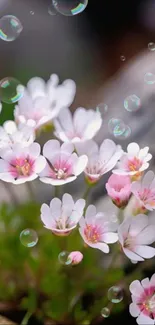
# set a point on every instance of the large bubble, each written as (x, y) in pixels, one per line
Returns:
(28, 237)
(149, 78)
(115, 294)
(132, 103)
(11, 90)
(70, 7)
(10, 28)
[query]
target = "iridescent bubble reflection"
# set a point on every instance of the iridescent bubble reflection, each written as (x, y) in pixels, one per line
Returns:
(10, 28)
(115, 294)
(70, 7)
(11, 90)
(28, 237)
(132, 103)
(64, 259)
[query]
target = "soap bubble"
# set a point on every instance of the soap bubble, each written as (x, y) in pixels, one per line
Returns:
(51, 10)
(32, 12)
(10, 90)
(28, 237)
(149, 78)
(70, 7)
(105, 312)
(102, 107)
(123, 58)
(116, 126)
(132, 103)
(115, 294)
(151, 46)
(64, 259)
(10, 28)
(126, 134)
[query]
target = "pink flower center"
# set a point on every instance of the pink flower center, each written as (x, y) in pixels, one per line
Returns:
(147, 196)
(147, 302)
(129, 242)
(21, 167)
(92, 233)
(62, 168)
(134, 164)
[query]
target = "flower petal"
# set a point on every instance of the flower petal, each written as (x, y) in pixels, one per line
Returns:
(50, 148)
(110, 237)
(134, 310)
(133, 148)
(132, 256)
(144, 320)
(136, 288)
(138, 224)
(146, 236)
(144, 251)
(90, 212)
(80, 165)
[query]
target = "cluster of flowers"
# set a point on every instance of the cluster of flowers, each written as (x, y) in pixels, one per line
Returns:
(21, 161)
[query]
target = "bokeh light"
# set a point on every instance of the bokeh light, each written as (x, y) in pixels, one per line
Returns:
(11, 90)
(115, 294)
(64, 259)
(10, 28)
(149, 78)
(132, 103)
(28, 237)
(151, 46)
(123, 58)
(105, 312)
(70, 7)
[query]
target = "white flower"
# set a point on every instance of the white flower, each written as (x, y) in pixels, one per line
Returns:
(82, 126)
(41, 102)
(10, 134)
(143, 301)
(100, 160)
(97, 230)
(19, 165)
(144, 190)
(135, 234)
(134, 161)
(63, 166)
(62, 216)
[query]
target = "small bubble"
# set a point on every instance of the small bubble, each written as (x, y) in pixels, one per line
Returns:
(51, 10)
(123, 58)
(105, 312)
(28, 237)
(115, 295)
(64, 259)
(149, 78)
(70, 7)
(151, 46)
(10, 90)
(102, 107)
(10, 28)
(132, 103)
(32, 12)
(126, 134)
(116, 126)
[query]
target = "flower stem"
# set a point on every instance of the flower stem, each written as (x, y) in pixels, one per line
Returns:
(86, 193)
(30, 191)
(57, 191)
(26, 318)
(11, 193)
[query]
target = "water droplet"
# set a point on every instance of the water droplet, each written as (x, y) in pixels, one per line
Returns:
(102, 107)
(115, 295)
(28, 237)
(70, 7)
(32, 12)
(116, 126)
(132, 103)
(10, 90)
(151, 46)
(126, 134)
(51, 10)
(64, 259)
(10, 28)
(105, 312)
(149, 78)
(123, 58)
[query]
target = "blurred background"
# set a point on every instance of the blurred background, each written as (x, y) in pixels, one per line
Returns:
(109, 51)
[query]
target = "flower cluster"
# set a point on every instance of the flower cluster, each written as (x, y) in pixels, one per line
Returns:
(62, 161)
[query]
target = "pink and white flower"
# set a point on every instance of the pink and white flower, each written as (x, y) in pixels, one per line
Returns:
(134, 161)
(143, 301)
(144, 190)
(100, 160)
(97, 230)
(63, 166)
(76, 257)
(11, 134)
(119, 189)
(135, 235)
(82, 126)
(41, 102)
(21, 164)
(61, 217)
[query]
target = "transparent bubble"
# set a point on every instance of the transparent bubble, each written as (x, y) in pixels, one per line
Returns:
(116, 126)
(149, 78)
(126, 134)
(105, 312)
(64, 259)
(70, 7)
(10, 90)
(51, 10)
(123, 58)
(10, 28)
(151, 46)
(28, 237)
(115, 295)
(32, 12)
(102, 107)
(132, 103)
